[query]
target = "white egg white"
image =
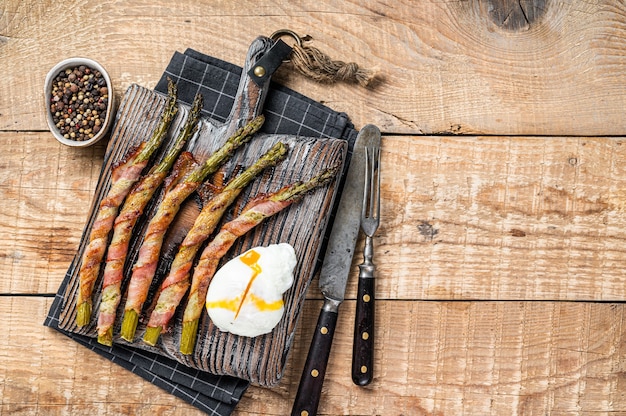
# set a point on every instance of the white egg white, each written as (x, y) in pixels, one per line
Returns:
(248, 303)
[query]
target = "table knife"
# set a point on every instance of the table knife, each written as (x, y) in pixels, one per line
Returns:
(334, 277)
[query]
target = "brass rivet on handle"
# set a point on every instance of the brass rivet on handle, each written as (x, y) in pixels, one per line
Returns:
(366, 298)
(259, 71)
(365, 335)
(324, 330)
(304, 413)
(315, 373)
(363, 369)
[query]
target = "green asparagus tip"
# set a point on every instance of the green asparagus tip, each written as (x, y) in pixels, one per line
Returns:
(190, 127)
(106, 338)
(243, 134)
(152, 335)
(194, 116)
(188, 337)
(254, 125)
(299, 189)
(197, 104)
(213, 163)
(270, 158)
(83, 314)
(276, 153)
(129, 325)
(172, 89)
(164, 124)
(326, 176)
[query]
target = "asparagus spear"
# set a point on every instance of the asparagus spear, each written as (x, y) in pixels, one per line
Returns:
(123, 176)
(125, 222)
(146, 264)
(254, 213)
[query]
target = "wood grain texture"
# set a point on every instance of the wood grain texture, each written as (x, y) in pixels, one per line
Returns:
(449, 66)
(516, 15)
(482, 358)
(502, 218)
(462, 218)
(46, 191)
(503, 199)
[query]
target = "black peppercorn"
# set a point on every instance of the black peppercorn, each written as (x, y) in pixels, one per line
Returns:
(78, 109)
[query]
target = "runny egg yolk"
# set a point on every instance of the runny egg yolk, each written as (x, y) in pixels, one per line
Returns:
(250, 259)
(245, 297)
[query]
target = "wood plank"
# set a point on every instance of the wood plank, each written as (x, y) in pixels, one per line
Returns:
(449, 67)
(45, 195)
(501, 218)
(462, 217)
(58, 376)
(525, 205)
(473, 358)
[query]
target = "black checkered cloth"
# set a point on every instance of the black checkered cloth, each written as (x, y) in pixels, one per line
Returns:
(286, 112)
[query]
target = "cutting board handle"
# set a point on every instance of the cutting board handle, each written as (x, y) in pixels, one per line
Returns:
(251, 92)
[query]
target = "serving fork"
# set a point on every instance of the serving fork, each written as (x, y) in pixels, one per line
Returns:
(363, 343)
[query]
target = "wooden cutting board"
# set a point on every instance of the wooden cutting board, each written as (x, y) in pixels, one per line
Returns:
(259, 360)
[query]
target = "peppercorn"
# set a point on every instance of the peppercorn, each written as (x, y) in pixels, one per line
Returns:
(79, 99)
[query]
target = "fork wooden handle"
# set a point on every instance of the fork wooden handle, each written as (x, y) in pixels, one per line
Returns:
(363, 345)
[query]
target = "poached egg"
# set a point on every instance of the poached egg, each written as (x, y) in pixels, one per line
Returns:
(245, 297)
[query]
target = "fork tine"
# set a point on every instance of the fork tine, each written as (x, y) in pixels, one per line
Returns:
(371, 193)
(366, 191)
(377, 184)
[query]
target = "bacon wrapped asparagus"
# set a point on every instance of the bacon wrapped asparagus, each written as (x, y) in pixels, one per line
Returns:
(123, 176)
(172, 291)
(147, 262)
(125, 222)
(213, 211)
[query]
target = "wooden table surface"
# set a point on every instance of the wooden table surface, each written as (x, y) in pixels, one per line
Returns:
(502, 247)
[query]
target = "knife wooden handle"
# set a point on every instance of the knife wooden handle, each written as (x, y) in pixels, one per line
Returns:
(363, 344)
(310, 388)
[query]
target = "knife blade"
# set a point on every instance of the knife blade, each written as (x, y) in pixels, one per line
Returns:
(334, 276)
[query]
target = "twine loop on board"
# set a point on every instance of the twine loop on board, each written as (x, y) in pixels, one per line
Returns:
(317, 65)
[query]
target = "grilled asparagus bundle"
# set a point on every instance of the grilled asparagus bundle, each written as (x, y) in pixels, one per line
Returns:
(172, 291)
(145, 267)
(133, 208)
(123, 176)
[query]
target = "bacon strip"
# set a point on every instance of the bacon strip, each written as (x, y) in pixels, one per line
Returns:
(123, 180)
(140, 280)
(118, 248)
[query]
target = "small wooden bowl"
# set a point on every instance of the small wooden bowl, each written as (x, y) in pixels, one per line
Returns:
(109, 117)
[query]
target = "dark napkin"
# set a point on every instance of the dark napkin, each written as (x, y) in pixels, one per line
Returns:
(286, 112)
